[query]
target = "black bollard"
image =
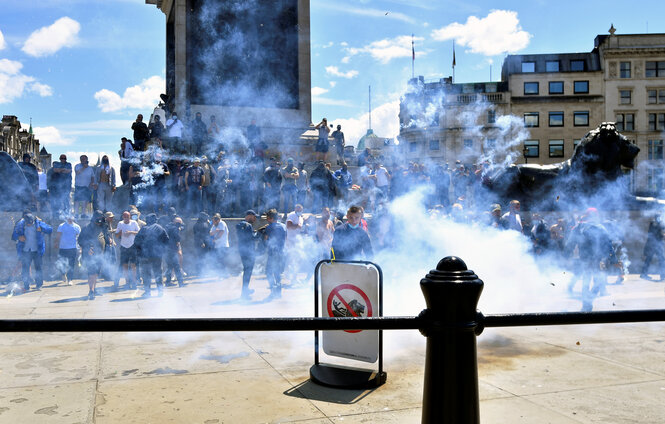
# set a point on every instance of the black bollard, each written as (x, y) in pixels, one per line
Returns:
(450, 393)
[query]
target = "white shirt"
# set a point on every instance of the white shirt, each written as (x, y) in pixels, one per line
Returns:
(127, 240)
(223, 240)
(292, 234)
(84, 178)
(129, 150)
(382, 179)
(175, 130)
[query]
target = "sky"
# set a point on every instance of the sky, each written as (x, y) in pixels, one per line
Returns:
(83, 69)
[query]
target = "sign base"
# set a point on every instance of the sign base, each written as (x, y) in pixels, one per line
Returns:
(346, 378)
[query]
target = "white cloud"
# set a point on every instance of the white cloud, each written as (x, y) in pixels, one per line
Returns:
(388, 49)
(42, 89)
(51, 136)
(343, 44)
(317, 91)
(330, 44)
(48, 40)
(142, 96)
(13, 82)
(346, 59)
(3, 44)
(332, 83)
(385, 123)
(497, 33)
(334, 71)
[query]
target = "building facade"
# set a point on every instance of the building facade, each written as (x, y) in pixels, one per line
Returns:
(556, 99)
(16, 141)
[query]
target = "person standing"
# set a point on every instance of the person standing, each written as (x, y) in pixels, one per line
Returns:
(512, 219)
(62, 185)
(338, 136)
(275, 239)
(83, 184)
(66, 239)
(653, 247)
(322, 183)
(290, 176)
(173, 257)
(194, 187)
(105, 180)
(325, 230)
(126, 231)
(322, 143)
(350, 241)
(141, 133)
(151, 243)
(247, 250)
(156, 128)
(219, 233)
(344, 181)
(272, 178)
(302, 184)
(174, 129)
(93, 240)
(294, 246)
(207, 184)
(29, 233)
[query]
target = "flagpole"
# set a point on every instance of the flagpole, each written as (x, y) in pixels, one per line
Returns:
(413, 58)
(453, 61)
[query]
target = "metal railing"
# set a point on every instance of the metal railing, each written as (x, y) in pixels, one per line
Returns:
(450, 323)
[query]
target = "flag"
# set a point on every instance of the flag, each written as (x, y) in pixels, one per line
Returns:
(413, 49)
(454, 54)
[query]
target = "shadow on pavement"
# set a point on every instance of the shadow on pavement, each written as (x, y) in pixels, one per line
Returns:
(313, 391)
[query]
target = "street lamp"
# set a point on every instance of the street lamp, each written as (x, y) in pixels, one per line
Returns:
(525, 153)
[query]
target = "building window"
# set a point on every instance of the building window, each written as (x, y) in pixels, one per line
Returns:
(655, 69)
(556, 148)
(575, 143)
(581, 119)
(625, 97)
(490, 144)
(491, 116)
(556, 87)
(625, 122)
(624, 70)
(656, 121)
(532, 148)
(413, 146)
(531, 119)
(577, 65)
(656, 96)
(655, 149)
(552, 66)
(652, 97)
(655, 179)
(556, 119)
(531, 88)
(468, 144)
(581, 87)
(434, 144)
(528, 66)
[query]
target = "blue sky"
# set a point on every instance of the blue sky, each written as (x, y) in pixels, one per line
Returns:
(83, 69)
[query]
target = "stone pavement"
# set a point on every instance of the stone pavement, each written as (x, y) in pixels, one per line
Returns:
(575, 374)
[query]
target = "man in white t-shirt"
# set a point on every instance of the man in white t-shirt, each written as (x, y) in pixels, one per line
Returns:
(220, 240)
(126, 231)
(382, 180)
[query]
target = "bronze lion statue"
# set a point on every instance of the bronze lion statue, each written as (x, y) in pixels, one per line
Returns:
(593, 176)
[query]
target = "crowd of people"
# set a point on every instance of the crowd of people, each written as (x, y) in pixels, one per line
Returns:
(312, 212)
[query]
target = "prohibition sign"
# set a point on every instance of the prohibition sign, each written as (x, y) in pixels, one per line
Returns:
(336, 293)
